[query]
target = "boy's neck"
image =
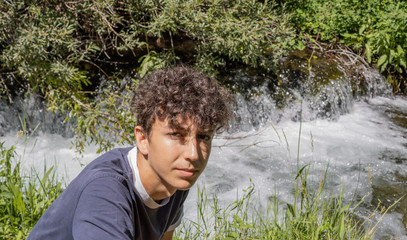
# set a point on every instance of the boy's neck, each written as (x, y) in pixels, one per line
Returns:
(153, 185)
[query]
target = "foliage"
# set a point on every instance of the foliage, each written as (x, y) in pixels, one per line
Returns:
(378, 28)
(84, 58)
(76, 54)
(313, 215)
(23, 200)
(250, 32)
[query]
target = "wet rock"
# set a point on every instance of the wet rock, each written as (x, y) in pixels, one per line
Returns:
(387, 191)
(319, 81)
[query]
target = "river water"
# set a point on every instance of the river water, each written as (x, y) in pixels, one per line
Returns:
(365, 147)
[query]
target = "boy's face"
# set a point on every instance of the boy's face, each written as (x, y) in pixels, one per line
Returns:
(177, 156)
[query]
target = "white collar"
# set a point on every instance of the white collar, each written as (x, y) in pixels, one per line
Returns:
(147, 200)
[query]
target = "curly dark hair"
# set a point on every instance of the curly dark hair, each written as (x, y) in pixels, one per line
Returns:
(181, 93)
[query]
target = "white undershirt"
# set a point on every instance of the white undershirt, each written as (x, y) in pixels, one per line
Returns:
(147, 200)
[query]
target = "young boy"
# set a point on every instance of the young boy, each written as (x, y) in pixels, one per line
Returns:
(138, 193)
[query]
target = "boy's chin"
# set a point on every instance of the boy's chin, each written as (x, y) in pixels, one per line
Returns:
(185, 186)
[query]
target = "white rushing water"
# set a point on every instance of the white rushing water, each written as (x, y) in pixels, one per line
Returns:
(362, 148)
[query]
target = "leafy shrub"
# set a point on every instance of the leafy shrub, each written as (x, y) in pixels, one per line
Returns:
(379, 28)
(23, 199)
(83, 57)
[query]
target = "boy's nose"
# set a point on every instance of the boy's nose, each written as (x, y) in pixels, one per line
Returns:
(191, 151)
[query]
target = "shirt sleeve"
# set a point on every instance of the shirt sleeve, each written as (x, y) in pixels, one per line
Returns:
(104, 211)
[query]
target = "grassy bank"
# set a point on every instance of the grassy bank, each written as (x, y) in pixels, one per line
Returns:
(24, 196)
(312, 215)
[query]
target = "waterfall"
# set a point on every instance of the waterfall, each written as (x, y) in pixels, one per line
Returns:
(300, 95)
(29, 114)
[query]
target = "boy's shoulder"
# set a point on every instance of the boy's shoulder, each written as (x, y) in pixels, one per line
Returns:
(115, 158)
(113, 163)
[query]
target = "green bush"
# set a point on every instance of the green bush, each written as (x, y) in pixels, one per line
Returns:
(379, 28)
(61, 50)
(23, 199)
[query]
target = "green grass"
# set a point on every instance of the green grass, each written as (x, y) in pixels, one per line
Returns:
(24, 197)
(313, 215)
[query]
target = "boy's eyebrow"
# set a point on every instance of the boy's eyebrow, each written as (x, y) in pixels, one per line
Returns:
(186, 129)
(176, 127)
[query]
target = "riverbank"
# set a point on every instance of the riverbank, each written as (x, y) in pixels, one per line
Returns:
(363, 152)
(313, 215)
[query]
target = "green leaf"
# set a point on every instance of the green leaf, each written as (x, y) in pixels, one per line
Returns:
(382, 60)
(400, 50)
(291, 209)
(392, 55)
(398, 68)
(402, 62)
(369, 36)
(362, 29)
(368, 53)
(350, 36)
(383, 67)
(301, 170)
(387, 39)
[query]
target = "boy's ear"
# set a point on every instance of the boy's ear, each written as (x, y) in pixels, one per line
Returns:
(141, 140)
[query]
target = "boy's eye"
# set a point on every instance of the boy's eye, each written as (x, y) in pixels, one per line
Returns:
(176, 135)
(204, 137)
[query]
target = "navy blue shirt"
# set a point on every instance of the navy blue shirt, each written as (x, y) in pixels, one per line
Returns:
(103, 203)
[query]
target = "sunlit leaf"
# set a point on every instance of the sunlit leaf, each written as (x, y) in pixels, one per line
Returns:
(403, 62)
(382, 60)
(368, 53)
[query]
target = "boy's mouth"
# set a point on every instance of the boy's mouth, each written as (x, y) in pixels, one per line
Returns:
(186, 172)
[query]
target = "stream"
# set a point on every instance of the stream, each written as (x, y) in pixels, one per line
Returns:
(360, 141)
